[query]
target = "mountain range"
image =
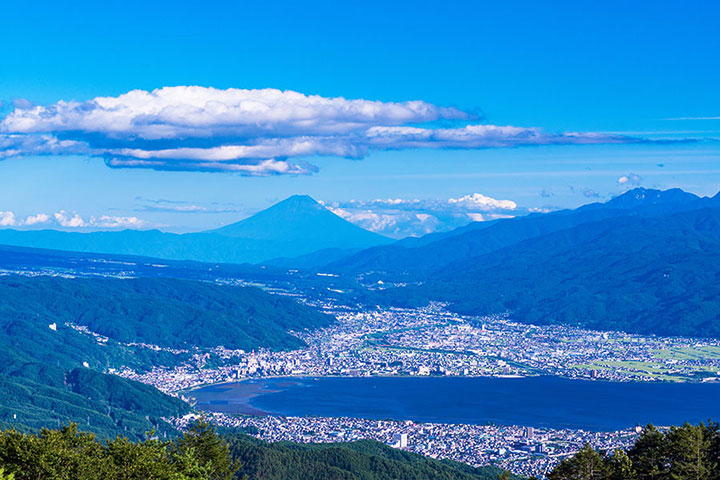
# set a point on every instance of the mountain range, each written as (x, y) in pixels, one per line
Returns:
(296, 226)
(423, 256)
(645, 262)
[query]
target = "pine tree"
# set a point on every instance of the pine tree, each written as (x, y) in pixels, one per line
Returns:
(211, 450)
(621, 467)
(649, 455)
(690, 453)
(587, 464)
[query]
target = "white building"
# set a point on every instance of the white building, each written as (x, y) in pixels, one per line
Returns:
(400, 440)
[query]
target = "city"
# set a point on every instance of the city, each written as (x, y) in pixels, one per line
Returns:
(432, 341)
(522, 450)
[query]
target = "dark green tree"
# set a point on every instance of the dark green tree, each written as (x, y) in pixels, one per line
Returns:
(587, 464)
(690, 451)
(57, 454)
(649, 455)
(212, 451)
(67, 454)
(620, 466)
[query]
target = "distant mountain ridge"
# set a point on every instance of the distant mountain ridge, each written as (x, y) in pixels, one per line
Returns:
(646, 262)
(645, 275)
(296, 226)
(420, 257)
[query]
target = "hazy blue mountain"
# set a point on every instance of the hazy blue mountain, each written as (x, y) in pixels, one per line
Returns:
(657, 274)
(33, 261)
(420, 257)
(312, 260)
(296, 226)
(651, 201)
(301, 219)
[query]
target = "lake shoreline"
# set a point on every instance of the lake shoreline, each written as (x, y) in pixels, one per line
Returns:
(537, 400)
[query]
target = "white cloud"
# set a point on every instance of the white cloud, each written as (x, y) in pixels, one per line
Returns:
(72, 220)
(37, 219)
(181, 112)
(478, 200)
(251, 132)
(486, 217)
(45, 144)
(116, 222)
(7, 219)
(693, 118)
(631, 179)
(67, 220)
(400, 217)
(183, 206)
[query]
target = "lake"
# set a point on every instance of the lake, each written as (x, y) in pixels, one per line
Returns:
(532, 401)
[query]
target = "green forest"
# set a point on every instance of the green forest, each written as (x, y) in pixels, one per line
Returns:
(43, 379)
(107, 405)
(202, 454)
(161, 311)
(688, 452)
(625, 273)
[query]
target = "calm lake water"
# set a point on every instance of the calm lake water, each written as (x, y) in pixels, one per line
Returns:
(533, 401)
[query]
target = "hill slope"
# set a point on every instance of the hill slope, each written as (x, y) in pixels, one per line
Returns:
(104, 404)
(42, 351)
(362, 460)
(165, 312)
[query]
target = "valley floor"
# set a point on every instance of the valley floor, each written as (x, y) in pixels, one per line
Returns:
(432, 341)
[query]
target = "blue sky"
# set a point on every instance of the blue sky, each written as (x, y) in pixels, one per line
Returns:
(628, 69)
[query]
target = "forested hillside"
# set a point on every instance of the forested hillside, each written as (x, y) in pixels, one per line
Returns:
(645, 275)
(361, 460)
(164, 312)
(646, 262)
(42, 382)
(104, 404)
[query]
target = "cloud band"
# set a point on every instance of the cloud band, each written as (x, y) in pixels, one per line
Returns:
(250, 132)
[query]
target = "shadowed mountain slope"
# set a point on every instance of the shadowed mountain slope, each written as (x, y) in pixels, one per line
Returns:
(656, 275)
(420, 258)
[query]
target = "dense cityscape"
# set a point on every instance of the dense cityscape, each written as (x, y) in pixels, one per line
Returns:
(433, 341)
(522, 450)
